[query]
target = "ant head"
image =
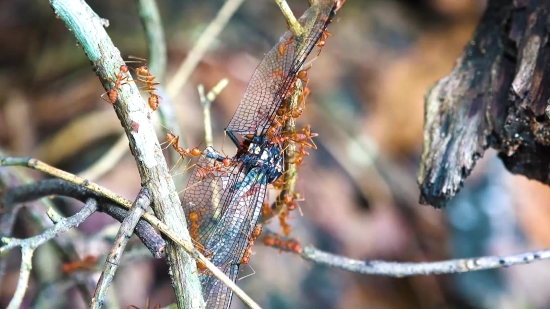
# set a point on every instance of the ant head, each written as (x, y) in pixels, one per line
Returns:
(195, 152)
(193, 216)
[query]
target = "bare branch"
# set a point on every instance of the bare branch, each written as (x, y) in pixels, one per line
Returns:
(123, 236)
(154, 36)
(195, 55)
(10, 177)
(134, 115)
(50, 170)
(291, 20)
(206, 101)
(24, 273)
(62, 226)
(396, 269)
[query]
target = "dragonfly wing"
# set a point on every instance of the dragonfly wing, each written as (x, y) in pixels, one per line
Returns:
(276, 72)
(219, 295)
(227, 202)
(204, 193)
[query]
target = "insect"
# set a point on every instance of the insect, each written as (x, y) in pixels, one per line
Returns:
(322, 41)
(87, 263)
(256, 232)
(229, 201)
(112, 94)
(282, 243)
(147, 79)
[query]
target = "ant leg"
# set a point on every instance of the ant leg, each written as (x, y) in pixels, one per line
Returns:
(252, 274)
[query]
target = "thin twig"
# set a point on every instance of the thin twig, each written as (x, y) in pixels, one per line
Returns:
(396, 269)
(206, 101)
(195, 55)
(24, 273)
(123, 236)
(154, 36)
(30, 244)
(61, 227)
(291, 20)
(50, 170)
(185, 244)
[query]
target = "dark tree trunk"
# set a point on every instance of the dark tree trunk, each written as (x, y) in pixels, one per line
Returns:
(496, 96)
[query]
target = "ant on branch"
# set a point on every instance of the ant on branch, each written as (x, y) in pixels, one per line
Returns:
(147, 79)
(277, 241)
(112, 94)
(256, 232)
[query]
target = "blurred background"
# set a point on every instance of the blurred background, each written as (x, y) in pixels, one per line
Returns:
(361, 197)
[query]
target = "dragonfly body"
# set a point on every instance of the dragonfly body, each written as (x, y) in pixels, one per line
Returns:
(227, 200)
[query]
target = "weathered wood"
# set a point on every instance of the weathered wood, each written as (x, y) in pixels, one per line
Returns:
(496, 96)
(526, 136)
(457, 128)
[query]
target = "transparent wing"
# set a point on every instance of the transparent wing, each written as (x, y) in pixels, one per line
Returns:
(218, 295)
(227, 203)
(277, 71)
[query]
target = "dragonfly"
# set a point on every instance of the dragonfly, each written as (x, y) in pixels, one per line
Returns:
(224, 197)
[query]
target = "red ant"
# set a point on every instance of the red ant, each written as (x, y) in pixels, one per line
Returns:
(301, 153)
(266, 209)
(193, 228)
(302, 138)
(112, 94)
(297, 112)
(173, 140)
(282, 222)
(87, 263)
(284, 44)
(256, 232)
(290, 199)
(204, 171)
(145, 77)
(276, 241)
(323, 39)
(153, 101)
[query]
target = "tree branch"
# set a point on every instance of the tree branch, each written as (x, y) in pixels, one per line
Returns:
(154, 36)
(134, 116)
(206, 101)
(126, 230)
(10, 177)
(291, 20)
(396, 269)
